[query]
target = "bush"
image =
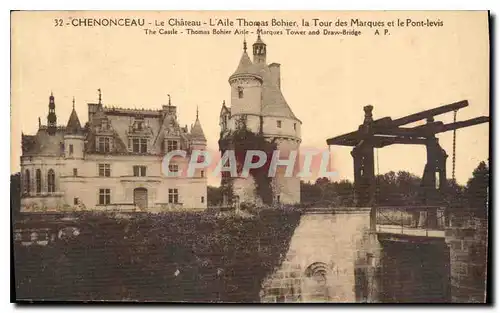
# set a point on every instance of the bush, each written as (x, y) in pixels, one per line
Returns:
(196, 257)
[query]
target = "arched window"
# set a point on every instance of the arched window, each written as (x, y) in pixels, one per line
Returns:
(240, 92)
(51, 181)
(38, 178)
(27, 181)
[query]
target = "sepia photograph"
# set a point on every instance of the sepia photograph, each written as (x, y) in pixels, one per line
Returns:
(250, 156)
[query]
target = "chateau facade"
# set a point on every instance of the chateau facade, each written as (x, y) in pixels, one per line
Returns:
(258, 105)
(113, 162)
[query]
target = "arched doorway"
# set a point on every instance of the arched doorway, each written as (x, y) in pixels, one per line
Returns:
(141, 197)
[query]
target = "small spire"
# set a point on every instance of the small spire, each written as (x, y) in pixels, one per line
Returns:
(169, 102)
(100, 95)
(196, 112)
(73, 102)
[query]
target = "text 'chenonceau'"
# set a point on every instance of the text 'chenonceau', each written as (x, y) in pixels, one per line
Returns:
(244, 26)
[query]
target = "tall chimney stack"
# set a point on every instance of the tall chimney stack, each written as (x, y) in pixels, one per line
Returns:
(276, 74)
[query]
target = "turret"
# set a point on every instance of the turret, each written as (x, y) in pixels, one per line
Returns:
(74, 137)
(198, 139)
(259, 51)
(51, 117)
(246, 88)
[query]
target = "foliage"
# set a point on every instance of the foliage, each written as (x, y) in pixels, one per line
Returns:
(401, 188)
(197, 257)
(15, 193)
(477, 188)
(214, 196)
(243, 140)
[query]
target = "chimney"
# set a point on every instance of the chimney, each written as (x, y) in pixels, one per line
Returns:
(275, 74)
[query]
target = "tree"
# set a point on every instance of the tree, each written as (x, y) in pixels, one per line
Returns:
(477, 189)
(214, 196)
(15, 193)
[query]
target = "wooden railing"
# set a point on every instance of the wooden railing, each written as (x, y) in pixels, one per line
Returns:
(426, 221)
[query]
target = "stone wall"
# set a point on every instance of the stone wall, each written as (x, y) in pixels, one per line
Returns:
(467, 239)
(333, 257)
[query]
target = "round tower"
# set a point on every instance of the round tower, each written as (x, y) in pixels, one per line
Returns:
(74, 138)
(246, 93)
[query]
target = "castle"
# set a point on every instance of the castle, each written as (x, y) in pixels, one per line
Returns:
(259, 107)
(114, 162)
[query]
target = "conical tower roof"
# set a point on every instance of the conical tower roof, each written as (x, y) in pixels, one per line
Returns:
(197, 130)
(74, 127)
(245, 66)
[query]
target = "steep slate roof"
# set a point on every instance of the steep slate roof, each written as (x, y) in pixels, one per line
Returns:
(273, 101)
(74, 127)
(245, 66)
(44, 144)
(197, 131)
(158, 124)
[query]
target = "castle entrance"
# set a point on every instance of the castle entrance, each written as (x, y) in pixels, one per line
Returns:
(141, 197)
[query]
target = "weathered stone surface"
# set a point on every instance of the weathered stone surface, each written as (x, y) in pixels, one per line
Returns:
(328, 252)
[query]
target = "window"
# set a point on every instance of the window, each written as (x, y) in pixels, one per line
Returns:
(202, 199)
(171, 145)
(70, 149)
(27, 181)
(38, 178)
(140, 145)
(294, 126)
(173, 195)
(278, 124)
(139, 170)
(51, 181)
(104, 196)
(240, 92)
(103, 144)
(202, 174)
(75, 201)
(104, 170)
(173, 169)
(75, 172)
(104, 124)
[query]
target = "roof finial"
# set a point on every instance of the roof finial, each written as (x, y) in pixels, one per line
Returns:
(100, 95)
(169, 103)
(51, 94)
(244, 42)
(223, 102)
(196, 112)
(73, 102)
(258, 31)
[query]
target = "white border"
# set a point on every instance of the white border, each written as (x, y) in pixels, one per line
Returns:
(192, 5)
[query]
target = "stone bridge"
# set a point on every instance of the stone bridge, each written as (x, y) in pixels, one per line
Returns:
(355, 255)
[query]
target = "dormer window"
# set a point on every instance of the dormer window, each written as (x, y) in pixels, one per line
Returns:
(104, 124)
(139, 145)
(172, 145)
(278, 124)
(240, 92)
(103, 144)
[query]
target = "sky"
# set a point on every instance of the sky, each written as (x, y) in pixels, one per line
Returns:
(326, 80)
